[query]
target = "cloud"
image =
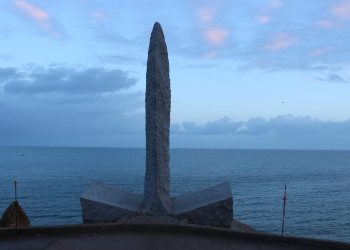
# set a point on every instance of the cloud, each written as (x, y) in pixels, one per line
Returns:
(118, 59)
(118, 120)
(206, 14)
(275, 4)
(5, 32)
(283, 125)
(215, 35)
(281, 132)
(324, 23)
(331, 77)
(62, 105)
(320, 51)
(116, 38)
(111, 120)
(98, 15)
(280, 42)
(209, 54)
(267, 11)
(294, 32)
(340, 13)
(264, 19)
(32, 11)
(341, 10)
(39, 16)
(8, 74)
(219, 127)
(6, 57)
(335, 78)
(62, 79)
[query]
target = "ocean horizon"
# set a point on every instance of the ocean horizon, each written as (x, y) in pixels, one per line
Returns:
(51, 180)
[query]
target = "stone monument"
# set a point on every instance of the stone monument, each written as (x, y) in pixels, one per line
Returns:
(156, 199)
(104, 203)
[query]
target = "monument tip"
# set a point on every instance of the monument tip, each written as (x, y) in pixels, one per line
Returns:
(157, 26)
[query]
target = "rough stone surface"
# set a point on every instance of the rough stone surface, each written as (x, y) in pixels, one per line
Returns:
(236, 225)
(211, 206)
(102, 203)
(149, 220)
(157, 200)
(8, 219)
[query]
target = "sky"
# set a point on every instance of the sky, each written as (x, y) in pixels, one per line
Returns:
(269, 74)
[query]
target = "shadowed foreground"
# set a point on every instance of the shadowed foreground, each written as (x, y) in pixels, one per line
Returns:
(151, 236)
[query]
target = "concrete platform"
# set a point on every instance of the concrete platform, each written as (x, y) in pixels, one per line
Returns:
(151, 236)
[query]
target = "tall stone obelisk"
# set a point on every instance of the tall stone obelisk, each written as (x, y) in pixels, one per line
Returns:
(105, 203)
(157, 198)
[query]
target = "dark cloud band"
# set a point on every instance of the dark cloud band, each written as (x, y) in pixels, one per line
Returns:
(64, 80)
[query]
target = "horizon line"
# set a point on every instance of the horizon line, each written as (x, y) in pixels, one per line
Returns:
(194, 148)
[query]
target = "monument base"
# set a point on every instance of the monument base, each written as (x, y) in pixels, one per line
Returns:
(212, 206)
(103, 203)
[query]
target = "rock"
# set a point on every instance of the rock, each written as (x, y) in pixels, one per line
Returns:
(8, 219)
(241, 227)
(105, 203)
(211, 206)
(147, 220)
(157, 200)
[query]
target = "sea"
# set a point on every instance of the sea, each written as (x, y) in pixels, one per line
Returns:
(50, 181)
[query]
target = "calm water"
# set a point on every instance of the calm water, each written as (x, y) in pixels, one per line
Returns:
(51, 180)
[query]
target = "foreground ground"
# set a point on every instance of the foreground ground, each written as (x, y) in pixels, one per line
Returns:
(151, 236)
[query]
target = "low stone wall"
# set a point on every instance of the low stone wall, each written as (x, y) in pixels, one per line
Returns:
(216, 233)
